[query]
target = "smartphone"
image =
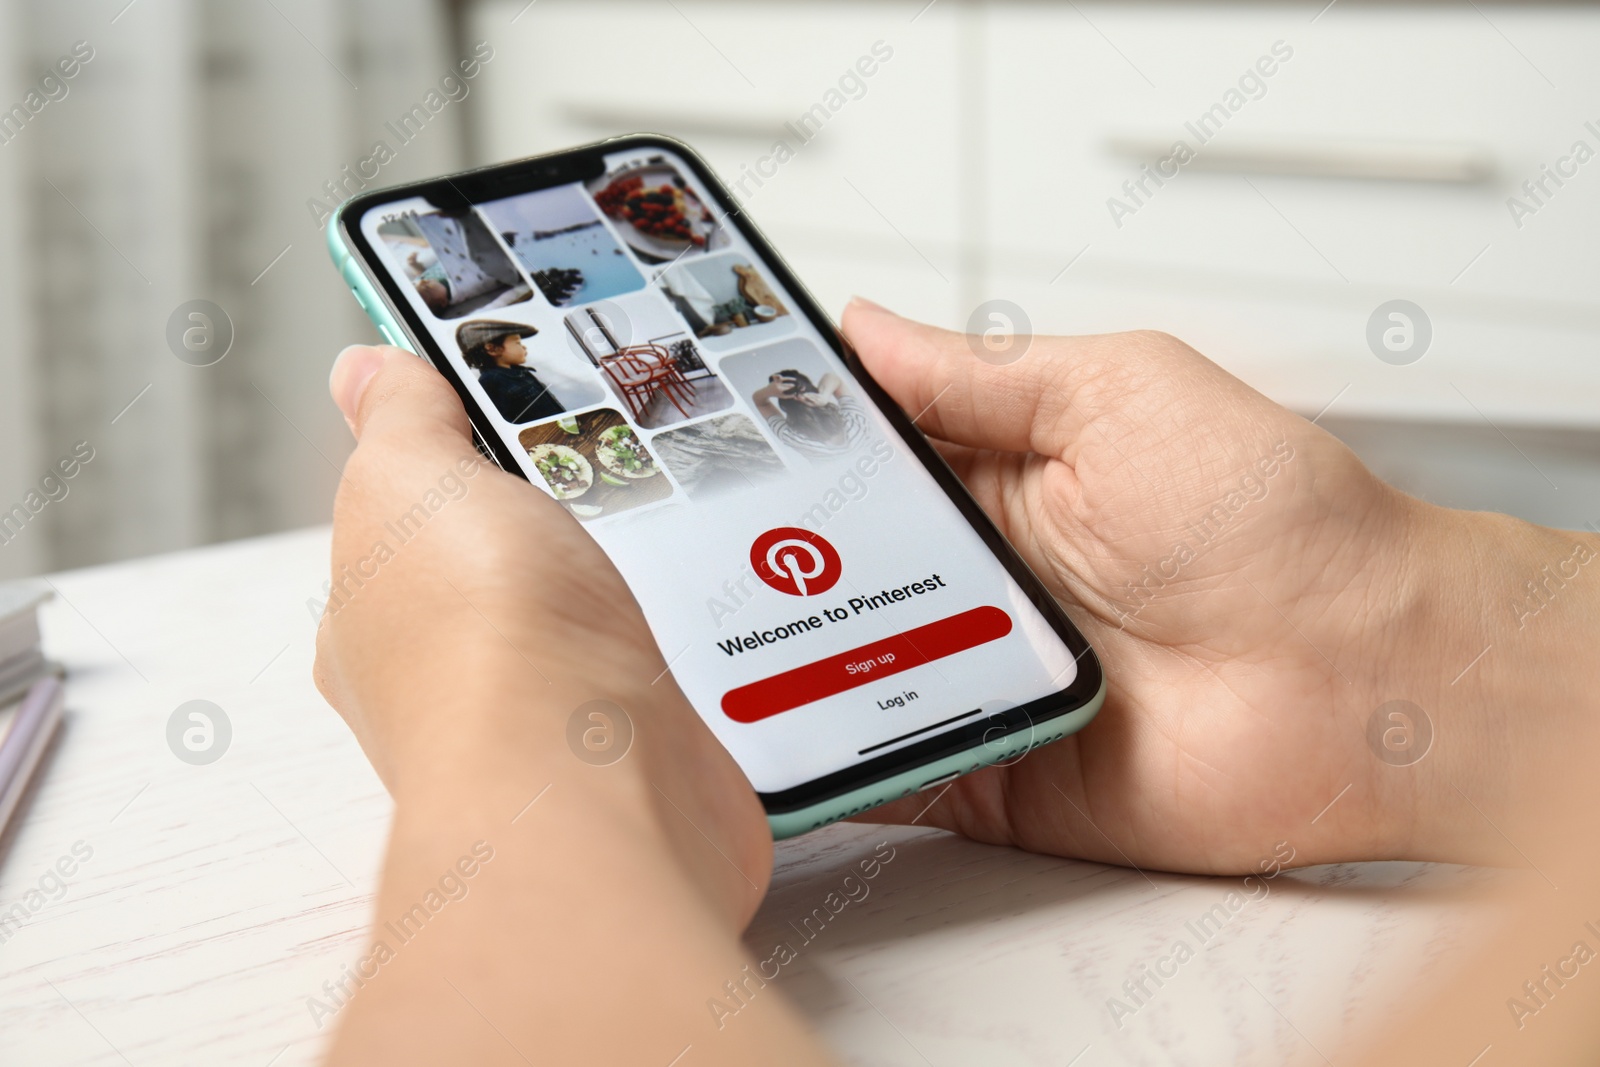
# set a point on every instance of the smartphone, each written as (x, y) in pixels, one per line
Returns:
(834, 604)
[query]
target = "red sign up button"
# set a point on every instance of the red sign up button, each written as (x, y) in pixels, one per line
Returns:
(859, 666)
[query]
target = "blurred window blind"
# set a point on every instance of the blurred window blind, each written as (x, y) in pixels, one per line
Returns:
(176, 165)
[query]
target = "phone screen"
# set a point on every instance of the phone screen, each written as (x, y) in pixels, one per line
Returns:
(817, 594)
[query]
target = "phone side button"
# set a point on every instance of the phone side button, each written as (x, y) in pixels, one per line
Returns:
(389, 336)
(936, 782)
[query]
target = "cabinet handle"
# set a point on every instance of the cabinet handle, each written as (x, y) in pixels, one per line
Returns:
(626, 119)
(1373, 160)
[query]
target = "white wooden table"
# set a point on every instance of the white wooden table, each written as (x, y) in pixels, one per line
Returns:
(219, 898)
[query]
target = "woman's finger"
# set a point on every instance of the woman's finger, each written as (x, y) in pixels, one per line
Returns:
(383, 390)
(938, 378)
(1044, 398)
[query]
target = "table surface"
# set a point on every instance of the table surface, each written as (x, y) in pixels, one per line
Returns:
(217, 899)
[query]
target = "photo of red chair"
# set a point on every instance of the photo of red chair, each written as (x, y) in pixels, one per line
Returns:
(648, 359)
(640, 372)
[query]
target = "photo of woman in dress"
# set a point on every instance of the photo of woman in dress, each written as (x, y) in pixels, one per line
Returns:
(519, 391)
(818, 419)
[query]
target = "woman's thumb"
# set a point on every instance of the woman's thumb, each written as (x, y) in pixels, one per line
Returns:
(379, 388)
(353, 370)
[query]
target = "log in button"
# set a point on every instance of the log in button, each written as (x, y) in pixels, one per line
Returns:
(859, 666)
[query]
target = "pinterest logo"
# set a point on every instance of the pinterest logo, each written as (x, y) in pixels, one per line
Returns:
(795, 561)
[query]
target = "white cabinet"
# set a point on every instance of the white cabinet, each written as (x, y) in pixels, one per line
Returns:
(1342, 160)
(868, 102)
(1361, 84)
(1275, 274)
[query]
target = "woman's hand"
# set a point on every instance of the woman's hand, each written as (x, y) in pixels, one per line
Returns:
(1255, 595)
(471, 617)
(766, 398)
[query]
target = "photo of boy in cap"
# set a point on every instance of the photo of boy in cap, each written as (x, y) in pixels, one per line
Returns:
(521, 393)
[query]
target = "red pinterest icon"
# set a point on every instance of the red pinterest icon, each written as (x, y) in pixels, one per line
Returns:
(795, 561)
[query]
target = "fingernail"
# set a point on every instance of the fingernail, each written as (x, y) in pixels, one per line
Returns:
(351, 374)
(863, 302)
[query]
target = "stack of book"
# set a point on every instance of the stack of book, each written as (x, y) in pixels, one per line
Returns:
(22, 659)
(31, 696)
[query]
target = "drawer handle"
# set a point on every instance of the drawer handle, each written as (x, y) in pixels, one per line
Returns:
(1373, 160)
(625, 119)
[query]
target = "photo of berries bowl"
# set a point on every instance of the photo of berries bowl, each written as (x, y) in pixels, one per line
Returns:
(657, 213)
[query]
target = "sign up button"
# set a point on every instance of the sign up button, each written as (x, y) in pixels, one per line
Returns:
(859, 666)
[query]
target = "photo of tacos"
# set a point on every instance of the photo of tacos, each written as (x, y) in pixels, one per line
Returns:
(565, 470)
(595, 463)
(620, 451)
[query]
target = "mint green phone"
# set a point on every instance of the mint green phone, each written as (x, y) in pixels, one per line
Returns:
(840, 612)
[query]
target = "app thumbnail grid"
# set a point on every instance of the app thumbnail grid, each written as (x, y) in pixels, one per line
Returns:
(628, 292)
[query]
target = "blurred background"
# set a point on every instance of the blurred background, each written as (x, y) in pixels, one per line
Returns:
(1339, 158)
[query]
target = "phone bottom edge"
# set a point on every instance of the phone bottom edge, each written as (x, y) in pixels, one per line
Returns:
(865, 798)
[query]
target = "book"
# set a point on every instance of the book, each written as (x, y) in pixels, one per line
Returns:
(19, 615)
(26, 727)
(31, 695)
(22, 660)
